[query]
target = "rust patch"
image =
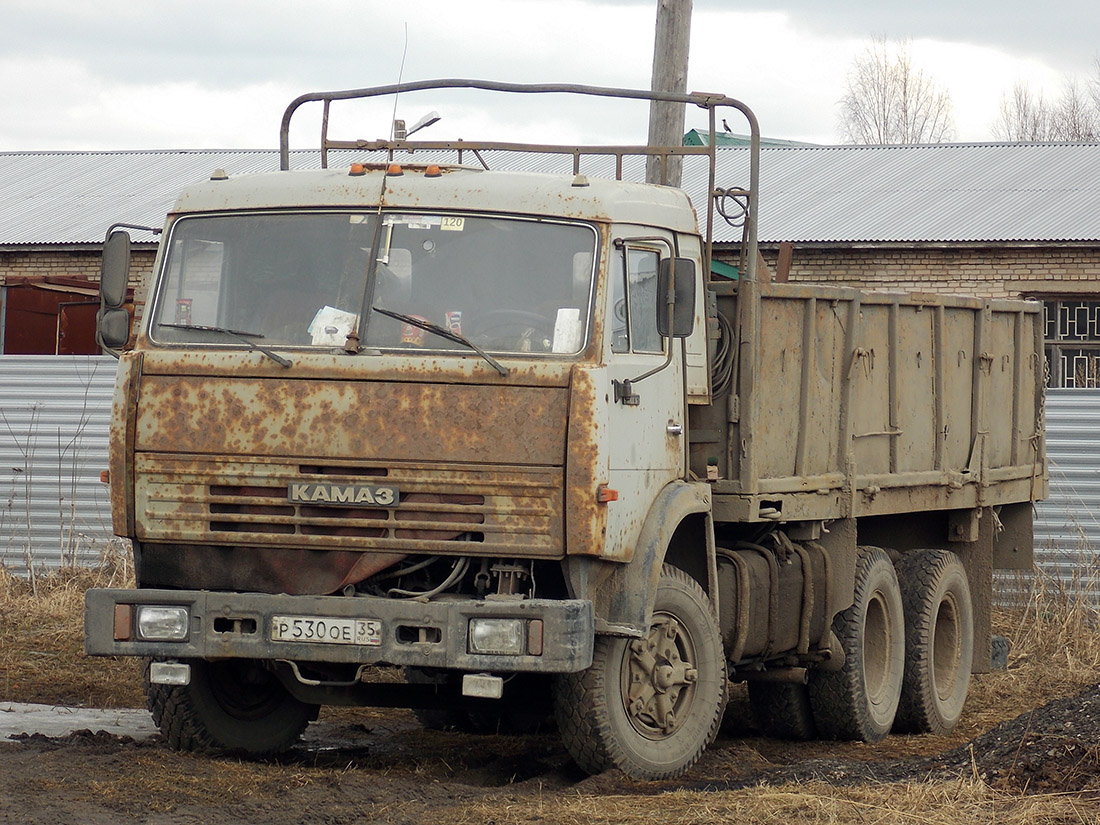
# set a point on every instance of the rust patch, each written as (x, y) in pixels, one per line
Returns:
(335, 419)
(586, 468)
(121, 445)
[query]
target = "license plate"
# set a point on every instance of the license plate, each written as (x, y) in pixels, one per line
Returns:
(331, 631)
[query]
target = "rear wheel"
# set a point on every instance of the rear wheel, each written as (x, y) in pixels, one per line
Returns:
(939, 641)
(233, 705)
(649, 706)
(782, 709)
(860, 700)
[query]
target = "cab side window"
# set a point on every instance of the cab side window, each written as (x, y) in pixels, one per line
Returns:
(634, 302)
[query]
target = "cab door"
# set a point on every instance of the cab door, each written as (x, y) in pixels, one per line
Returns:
(646, 417)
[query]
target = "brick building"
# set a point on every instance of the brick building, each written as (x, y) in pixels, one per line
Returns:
(992, 220)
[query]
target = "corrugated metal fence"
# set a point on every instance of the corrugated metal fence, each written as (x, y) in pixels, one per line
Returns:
(54, 419)
(55, 413)
(1067, 523)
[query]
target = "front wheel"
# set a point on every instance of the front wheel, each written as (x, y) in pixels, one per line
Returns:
(233, 705)
(649, 706)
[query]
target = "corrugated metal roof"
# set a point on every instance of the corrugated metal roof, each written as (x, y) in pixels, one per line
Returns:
(72, 197)
(939, 193)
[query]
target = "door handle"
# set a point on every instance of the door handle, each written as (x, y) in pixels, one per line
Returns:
(675, 429)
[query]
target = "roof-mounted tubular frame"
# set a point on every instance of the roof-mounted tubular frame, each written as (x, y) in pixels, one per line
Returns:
(704, 100)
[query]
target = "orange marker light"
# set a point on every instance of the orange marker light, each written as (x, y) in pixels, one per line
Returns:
(605, 494)
(124, 619)
(432, 171)
(394, 170)
(357, 169)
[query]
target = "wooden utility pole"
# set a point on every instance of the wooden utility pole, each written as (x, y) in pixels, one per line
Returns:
(670, 68)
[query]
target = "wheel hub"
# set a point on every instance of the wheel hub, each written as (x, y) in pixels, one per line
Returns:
(660, 678)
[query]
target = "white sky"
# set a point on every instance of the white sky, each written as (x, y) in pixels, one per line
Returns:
(217, 74)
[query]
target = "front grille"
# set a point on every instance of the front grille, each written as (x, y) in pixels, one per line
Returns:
(506, 510)
(419, 516)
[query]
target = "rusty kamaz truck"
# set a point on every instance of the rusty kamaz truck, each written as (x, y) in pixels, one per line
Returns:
(503, 436)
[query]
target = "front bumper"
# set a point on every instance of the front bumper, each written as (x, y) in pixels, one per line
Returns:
(421, 634)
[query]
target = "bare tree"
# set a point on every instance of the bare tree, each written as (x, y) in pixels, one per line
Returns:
(1075, 117)
(888, 101)
(1025, 117)
(1094, 84)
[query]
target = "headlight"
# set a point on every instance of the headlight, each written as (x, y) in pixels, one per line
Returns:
(502, 637)
(162, 623)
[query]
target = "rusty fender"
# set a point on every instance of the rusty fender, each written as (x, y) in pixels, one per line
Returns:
(121, 445)
(623, 594)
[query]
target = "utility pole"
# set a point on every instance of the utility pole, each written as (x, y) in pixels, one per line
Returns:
(670, 68)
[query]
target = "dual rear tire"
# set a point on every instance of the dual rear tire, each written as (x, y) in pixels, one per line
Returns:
(650, 707)
(908, 640)
(859, 701)
(939, 641)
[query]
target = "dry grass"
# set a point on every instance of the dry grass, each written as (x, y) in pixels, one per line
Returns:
(963, 802)
(42, 640)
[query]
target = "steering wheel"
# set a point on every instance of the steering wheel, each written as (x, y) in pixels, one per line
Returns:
(508, 328)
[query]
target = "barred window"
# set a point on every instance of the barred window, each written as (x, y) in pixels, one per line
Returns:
(1072, 343)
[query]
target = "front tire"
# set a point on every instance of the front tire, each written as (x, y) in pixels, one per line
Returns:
(939, 641)
(860, 700)
(651, 706)
(231, 705)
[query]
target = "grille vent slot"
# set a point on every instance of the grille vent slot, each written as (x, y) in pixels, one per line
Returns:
(419, 516)
(349, 472)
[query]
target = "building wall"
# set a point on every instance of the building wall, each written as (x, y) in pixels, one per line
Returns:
(1004, 271)
(44, 274)
(41, 263)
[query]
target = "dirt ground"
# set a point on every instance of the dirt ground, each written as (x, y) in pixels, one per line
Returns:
(380, 766)
(1027, 752)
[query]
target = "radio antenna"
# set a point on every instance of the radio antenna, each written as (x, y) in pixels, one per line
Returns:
(400, 76)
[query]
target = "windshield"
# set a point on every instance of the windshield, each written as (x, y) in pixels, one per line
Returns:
(506, 285)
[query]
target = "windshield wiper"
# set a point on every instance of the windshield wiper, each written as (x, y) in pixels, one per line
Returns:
(443, 332)
(240, 336)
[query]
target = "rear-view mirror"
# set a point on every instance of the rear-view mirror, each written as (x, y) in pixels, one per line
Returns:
(112, 327)
(681, 280)
(114, 273)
